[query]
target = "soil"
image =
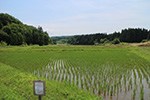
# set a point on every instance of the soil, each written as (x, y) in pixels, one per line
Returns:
(145, 44)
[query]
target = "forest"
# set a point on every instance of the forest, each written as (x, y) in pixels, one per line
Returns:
(130, 35)
(60, 39)
(14, 32)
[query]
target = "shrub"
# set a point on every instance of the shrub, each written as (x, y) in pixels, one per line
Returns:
(116, 41)
(2, 43)
(145, 40)
(24, 44)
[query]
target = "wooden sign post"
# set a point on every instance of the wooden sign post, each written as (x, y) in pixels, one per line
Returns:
(39, 88)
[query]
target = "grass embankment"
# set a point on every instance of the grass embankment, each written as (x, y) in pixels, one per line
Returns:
(60, 48)
(18, 85)
(143, 52)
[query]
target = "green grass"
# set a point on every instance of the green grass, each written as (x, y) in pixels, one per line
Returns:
(35, 57)
(25, 61)
(59, 48)
(143, 52)
(19, 66)
(7, 93)
(17, 85)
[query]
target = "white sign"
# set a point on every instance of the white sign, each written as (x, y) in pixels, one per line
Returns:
(39, 87)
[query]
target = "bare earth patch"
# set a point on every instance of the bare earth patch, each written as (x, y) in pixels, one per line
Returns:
(145, 44)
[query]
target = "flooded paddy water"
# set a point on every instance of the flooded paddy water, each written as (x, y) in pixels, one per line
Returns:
(110, 82)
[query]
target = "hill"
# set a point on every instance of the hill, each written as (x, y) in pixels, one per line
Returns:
(14, 32)
(61, 39)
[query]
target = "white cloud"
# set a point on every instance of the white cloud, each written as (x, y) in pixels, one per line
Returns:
(93, 23)
(88, 16)
(75, 28)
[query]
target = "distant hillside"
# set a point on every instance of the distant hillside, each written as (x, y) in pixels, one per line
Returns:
(14, 32)
(61, 39)
(130, 35)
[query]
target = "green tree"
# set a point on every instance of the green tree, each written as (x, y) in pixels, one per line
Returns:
(16, 39)
(103, 40)
(7, 29)
(96, 42)
(1, 25)
(41, 39)
(116, 41)
(148, 36)
(133, 35)
(40, 29)
(46, 38)
(3, 36)
(2, 43)
(7, 19)
(14, 32)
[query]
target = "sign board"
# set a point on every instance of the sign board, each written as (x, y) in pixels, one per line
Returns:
(39, 87)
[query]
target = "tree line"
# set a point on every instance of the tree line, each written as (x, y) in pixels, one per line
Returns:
(14, 32)
(130, 35)
(60, 39)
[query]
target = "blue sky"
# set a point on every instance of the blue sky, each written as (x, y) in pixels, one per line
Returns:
(74, 17)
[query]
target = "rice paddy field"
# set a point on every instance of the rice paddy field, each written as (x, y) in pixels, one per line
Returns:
(113, 72)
